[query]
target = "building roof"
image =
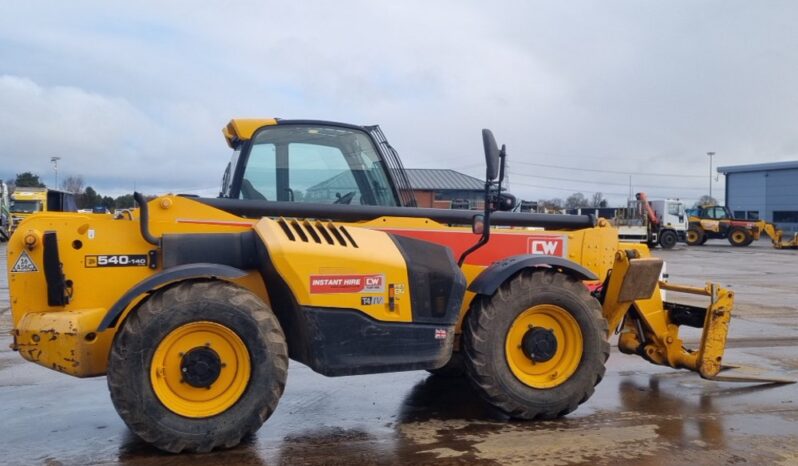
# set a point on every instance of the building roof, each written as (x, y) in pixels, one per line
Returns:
(423, 179)
(442, 179)
(759, 167)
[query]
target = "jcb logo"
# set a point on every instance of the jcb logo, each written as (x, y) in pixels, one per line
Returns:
(545, 244)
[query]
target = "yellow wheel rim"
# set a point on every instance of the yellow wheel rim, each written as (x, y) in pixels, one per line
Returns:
(565, 360)
(168, 367)
(692, 236)
(738, 236)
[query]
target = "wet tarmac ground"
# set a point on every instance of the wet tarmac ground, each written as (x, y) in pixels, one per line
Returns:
(640, 413)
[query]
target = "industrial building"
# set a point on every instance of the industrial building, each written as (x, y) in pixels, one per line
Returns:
(439, 188)
(445, 188)
(767, 191)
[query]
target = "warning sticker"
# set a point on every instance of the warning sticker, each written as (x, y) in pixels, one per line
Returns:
(347, 283)
(24, 264)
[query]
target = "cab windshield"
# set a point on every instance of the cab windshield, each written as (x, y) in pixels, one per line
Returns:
(311, 163)
(26, 207)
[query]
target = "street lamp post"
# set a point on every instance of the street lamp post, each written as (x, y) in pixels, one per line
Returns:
(55, 160)
(710, 154)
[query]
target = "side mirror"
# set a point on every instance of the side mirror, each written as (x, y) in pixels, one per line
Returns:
(491, 155)
(506, 202)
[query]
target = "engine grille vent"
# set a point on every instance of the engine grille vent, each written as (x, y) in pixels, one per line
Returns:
(316, 232)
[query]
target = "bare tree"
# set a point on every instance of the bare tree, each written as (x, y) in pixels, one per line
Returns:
(73, 184)
(550, 204)
(597, 200)
(576, 201)
(705, 200)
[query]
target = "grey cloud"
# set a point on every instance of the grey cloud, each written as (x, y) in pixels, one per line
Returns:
(139, 92)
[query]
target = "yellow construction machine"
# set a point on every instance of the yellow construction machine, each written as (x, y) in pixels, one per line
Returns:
(314, 251)
(29, 200)
(718, 222)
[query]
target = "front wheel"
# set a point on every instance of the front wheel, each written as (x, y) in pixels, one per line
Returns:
(537, 347)
(198, 366)
(668, 239)
(740, 237)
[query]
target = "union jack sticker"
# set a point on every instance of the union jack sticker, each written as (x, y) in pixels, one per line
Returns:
(440, 333)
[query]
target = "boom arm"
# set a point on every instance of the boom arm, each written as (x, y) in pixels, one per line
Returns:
(776, 237)
(652, 216)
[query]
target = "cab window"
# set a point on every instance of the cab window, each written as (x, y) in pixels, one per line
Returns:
(25, 206)
(717, 212)
(319, 164)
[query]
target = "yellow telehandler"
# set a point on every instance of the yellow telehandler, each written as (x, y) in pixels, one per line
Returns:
(315, 252)
(718, 222)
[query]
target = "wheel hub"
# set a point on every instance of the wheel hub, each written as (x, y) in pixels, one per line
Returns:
(201, 367)
(539, 344)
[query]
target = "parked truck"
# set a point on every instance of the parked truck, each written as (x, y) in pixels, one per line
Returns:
(5, 213)
(28, 200)
(655, 222)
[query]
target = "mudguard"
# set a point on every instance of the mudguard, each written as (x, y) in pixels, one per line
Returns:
(490, 279)
(172, 274)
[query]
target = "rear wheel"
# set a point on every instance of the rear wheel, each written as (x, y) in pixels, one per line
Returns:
(198, 366)
(668, 239)
(537, 347)
(740, 237)
(695, 236)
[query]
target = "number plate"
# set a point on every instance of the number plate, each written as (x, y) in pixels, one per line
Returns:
(117, 260)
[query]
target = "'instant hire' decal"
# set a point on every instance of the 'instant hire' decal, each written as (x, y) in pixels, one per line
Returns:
(347, 283)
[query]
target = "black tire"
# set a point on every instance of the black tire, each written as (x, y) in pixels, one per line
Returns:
(668, 239)
(135, 344)
(485, 332)
(695, 236)
(454, 368)
(740, 237)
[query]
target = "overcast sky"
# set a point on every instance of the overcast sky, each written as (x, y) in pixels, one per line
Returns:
(136, 94)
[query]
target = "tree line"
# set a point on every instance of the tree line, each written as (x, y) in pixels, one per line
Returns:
(574, 201)
(580, 201)
(86, 197)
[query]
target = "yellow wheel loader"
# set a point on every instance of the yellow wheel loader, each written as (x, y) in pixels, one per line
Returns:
(314, 251)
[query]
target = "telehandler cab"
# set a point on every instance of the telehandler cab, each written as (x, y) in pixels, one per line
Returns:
(313, 251)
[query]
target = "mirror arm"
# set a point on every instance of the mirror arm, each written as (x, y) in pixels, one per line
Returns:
(486, 225)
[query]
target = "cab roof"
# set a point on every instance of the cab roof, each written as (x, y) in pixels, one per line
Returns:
(242, 129)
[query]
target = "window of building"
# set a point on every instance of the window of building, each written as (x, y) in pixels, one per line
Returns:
(785, 216)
